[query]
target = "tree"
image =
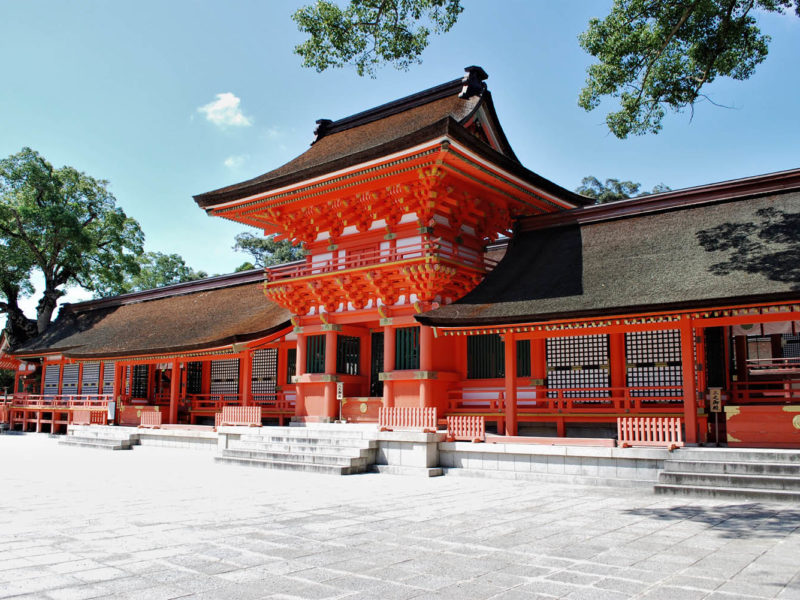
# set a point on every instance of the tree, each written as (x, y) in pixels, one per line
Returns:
(614, 189)
(156, 269)
(265, 251)
(653, 55)
(367, 33)
(63, 224)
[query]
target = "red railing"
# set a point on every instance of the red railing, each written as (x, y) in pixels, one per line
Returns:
(273, 403)
(212, 402)
(61, 401)
(248, 416)
(765, 392)
(150, 419)
(648, 431)
(466, 428)
(773, 366)
(393, 418)
(579, 400)
(377, 256)
(84, 416)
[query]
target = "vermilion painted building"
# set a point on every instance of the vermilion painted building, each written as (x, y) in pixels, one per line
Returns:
(641, 307)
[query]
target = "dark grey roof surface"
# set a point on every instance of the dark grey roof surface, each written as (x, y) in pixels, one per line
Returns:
(741, 250)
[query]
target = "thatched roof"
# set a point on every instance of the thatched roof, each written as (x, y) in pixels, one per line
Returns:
(713, 246)
(186, 317)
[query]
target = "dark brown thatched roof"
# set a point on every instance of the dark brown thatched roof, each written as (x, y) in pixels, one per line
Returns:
(194, 316)
(631, 258)
(390, 128)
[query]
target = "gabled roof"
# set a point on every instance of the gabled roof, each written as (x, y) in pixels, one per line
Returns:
(192, 316)
(393, 127)
(717, 245)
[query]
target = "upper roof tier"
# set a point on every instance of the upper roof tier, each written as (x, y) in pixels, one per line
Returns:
(459, 111)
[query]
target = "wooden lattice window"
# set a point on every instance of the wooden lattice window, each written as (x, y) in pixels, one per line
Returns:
(90, 378)
(578, 362)
(225, 376)
(486, 357)
(348, 354)
(139, 385)
(69, 380)
(109, 369)
(51, 376)
(291, 364)
(194, 377)
(406, 344)
(791, 346)
(315, 354)
(653, 360)
(265, 372)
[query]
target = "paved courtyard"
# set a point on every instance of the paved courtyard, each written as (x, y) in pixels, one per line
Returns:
(161, 523)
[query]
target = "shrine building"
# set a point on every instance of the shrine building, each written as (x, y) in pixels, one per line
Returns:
(680, 304)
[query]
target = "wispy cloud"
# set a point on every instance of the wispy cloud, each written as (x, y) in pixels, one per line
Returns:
(225, 111)
(236, 161)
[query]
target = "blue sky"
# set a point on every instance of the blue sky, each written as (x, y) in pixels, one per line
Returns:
(115, 89)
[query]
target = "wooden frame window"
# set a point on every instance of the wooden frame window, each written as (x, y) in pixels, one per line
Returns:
(406, 348)
(486, 357)
(348, 354)
(315, 354)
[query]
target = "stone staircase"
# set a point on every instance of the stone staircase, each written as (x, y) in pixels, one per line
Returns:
(320, 448)
(102, 438)
(748, 474)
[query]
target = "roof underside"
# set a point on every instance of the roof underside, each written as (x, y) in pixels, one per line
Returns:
(707, 255)
(187, 322)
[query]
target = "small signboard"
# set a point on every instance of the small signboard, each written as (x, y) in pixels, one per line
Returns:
(339, 390)
(715, 399)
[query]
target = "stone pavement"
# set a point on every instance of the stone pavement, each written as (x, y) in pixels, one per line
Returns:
(160, 523)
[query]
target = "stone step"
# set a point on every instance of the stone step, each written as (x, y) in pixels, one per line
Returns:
(302, 433)
(316, 459)
(292, 466)
(99, 443)
(766, 455)
(725, 480)
(339, 450)
(728, 492)
(733, 468)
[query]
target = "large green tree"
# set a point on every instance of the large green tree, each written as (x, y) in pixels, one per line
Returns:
(265, 251)
(155, 269)
(614, 189)
(653, 55)
(66, 226)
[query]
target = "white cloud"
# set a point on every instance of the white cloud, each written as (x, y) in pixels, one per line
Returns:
(234, 162)
(225, 111)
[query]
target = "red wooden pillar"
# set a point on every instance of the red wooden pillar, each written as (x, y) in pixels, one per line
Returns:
(330, 369)
(539, 365)
(426, 364)
(246, 377)
(300, 369)
(618, 367)
(511, 383)
(689, 392)
(388, 364)
(174, 391)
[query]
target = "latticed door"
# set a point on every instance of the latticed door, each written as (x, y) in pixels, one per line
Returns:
(108, 377)
(654, 361)
(225, 376)
(69, 380)
(376, 365)
(578, 362)
(51, 376)
(265, 374)
(90, 379)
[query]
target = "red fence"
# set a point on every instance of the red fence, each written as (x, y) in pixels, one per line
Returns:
(466, 428)
(393, 418)
(88, 417)
(776, 391)
(649, 431)
(151, 419)
(61, 400)
(249, 416)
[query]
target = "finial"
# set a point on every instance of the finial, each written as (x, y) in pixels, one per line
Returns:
(321, 129)
(473, 82)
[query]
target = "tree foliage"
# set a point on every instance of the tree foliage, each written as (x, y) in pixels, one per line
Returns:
(367, 33)
(265, 251)
(63, 224)
(156, 269)
(659, 55)
(614, 189)
(653, 55)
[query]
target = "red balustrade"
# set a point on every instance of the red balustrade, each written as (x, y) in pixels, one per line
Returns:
(151, 419)
(466, 428)
(393, 418)
(249, 416)
(62, 400)
(765, 392)
(649, 431)
(84, 416)
(212, 402)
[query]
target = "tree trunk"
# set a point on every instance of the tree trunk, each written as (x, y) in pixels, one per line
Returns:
(19, 328)
(47, 304)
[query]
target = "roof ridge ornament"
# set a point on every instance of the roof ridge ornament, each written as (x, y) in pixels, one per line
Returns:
(473, 82)
(323, 125)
